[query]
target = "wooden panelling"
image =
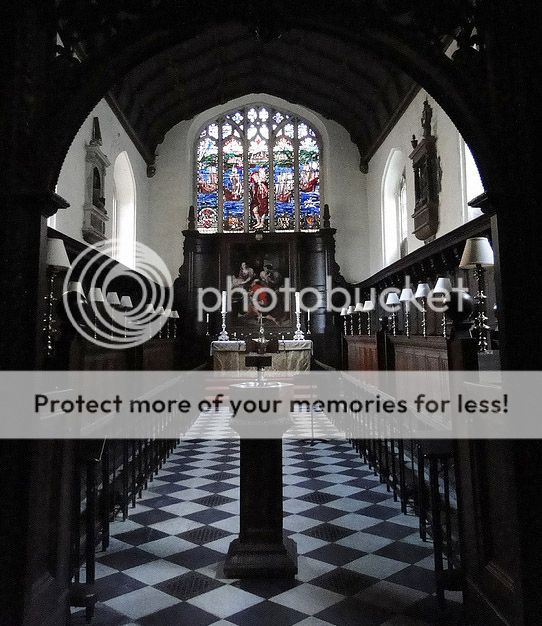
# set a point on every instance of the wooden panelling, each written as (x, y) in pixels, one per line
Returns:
(362, 352)
(156, 354)
(159, 354)
(417, 353)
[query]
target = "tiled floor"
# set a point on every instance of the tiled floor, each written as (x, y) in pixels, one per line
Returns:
(361, 561)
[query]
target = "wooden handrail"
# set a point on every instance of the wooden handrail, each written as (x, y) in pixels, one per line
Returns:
(441, 254)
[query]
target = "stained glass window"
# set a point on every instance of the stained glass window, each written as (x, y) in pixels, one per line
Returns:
(207, 180)
(232, 177)
(258, 169)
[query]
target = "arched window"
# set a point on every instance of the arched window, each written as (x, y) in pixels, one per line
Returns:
(401, 200)
(472, 183)
(394, 208)
(124, 210)
(257, 169)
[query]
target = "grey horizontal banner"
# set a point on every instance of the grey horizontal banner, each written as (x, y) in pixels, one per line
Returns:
(229, 405)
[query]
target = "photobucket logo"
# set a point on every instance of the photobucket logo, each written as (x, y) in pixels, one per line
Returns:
(264, 300)
(102, 312)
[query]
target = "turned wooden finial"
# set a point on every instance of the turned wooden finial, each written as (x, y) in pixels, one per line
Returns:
(191, 218)
(326, 217)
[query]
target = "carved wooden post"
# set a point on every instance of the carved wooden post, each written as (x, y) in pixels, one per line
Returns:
(326, 217)
(462, 351)
(382, 345)
(191, 218)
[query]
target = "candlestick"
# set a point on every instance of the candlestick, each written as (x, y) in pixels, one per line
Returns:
(49, 317)
(480, 321)
(174, 316)
(392, 301)
(298, 335)
(57, 261)
(297, 303)
(424, 317)
(421, 294)
(442, 288)
(207, 324)
(358, 309)
(343, 315)
(223, 335)
(406, 297)
(224, 303)
(160, 311)
(368, 306)
(167, 314)
(351, 316)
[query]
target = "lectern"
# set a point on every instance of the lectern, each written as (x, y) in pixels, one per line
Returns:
(261, 550)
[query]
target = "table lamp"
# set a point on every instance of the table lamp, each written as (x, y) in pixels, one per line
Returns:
(478, 255)
(57, 261)
(443, 287)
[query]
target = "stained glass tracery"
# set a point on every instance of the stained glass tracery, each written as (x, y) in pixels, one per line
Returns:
(207, 183)
(258, 169)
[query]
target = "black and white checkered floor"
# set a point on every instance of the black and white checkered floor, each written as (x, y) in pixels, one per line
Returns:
(361, 561)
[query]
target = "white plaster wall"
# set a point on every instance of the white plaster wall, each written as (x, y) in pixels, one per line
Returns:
(344, 188)
(452, 210)
(71, 182)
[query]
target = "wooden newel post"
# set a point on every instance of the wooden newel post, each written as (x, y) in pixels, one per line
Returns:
(191, 218)
(462, 349)
(326, 223)
(382, 345)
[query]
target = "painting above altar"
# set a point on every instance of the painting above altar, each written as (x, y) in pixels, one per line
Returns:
(257, 271)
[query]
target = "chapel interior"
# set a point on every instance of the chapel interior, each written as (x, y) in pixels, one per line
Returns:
(370, 155)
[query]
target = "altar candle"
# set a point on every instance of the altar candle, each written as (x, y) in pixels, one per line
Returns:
(297, 303)
(224, 310)
(308, 315)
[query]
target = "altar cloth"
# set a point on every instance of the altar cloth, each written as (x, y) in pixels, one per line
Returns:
(293, 355)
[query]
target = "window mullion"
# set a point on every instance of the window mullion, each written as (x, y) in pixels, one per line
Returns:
(220, 180)
(297, 211)
(271, 145)
(246, 200)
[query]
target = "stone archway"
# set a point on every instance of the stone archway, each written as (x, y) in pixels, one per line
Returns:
(486, 93)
